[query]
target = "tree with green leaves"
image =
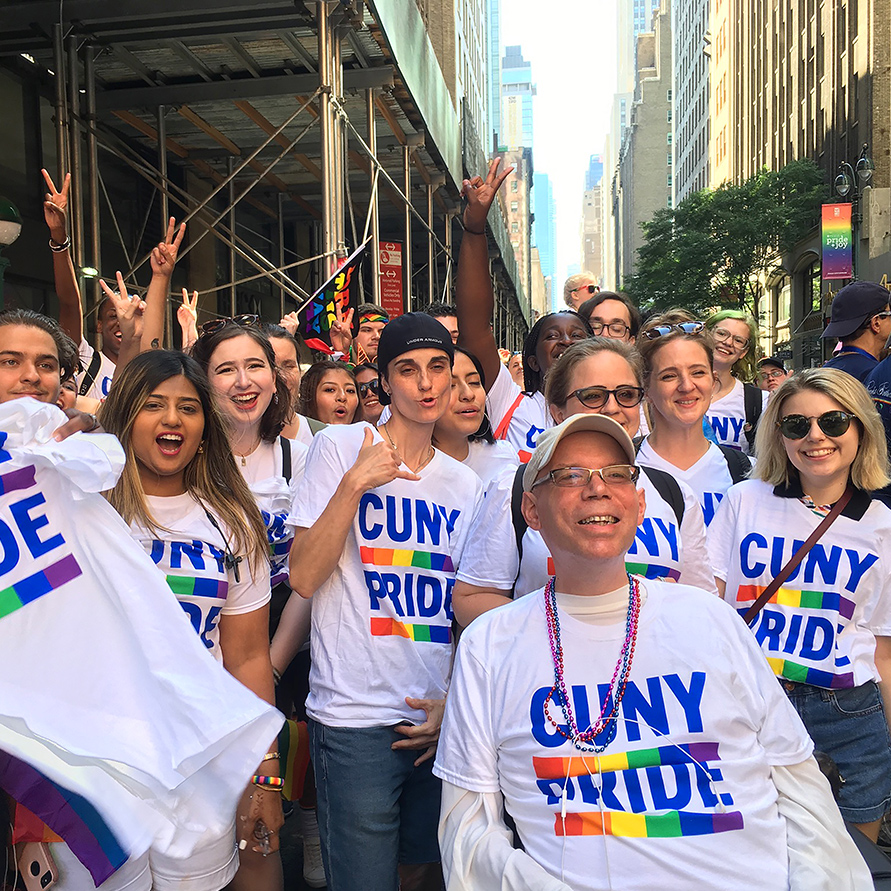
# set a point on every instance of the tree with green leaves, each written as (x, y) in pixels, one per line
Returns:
(716, 247)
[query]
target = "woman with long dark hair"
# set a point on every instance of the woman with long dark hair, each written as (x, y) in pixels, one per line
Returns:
(192, 511)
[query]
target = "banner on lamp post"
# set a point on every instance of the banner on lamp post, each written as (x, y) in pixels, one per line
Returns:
(837, 241)
(391, 277)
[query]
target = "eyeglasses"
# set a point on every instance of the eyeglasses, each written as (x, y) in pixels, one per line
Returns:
(578, 477)
(886, 314)
(771, 375)
(247, 320)
(832, 423)
(616, 329)
(663, 330)
(591, 289)
(368, 387)
(597, 397)
(741, 343)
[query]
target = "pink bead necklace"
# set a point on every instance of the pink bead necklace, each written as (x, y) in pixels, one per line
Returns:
(583, 740)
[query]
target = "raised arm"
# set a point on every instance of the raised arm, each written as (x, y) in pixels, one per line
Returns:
(55, 212)
(130, 310)
(163, 260)
(187, 316)
(474, 295)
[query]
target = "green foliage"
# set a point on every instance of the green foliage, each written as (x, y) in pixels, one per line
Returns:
(712, 249)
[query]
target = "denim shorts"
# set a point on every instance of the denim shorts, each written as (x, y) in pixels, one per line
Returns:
(376, 809)
(849, 726)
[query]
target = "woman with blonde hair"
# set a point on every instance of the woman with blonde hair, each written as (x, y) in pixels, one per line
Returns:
(825, 623)
(736, 403)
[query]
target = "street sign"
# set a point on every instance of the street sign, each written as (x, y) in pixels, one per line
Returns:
(391, 277)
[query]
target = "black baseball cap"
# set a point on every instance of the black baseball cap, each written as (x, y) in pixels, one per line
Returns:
(772, 360)
(410, 331)
(853, 305)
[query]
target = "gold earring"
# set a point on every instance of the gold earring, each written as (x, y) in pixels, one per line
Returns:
(201, 448)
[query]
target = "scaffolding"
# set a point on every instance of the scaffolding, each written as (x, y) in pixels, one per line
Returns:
(288, 133)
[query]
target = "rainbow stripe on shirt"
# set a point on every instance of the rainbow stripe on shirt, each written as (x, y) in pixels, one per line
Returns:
(646, 570)
(34, 586)
(827, 600)
(558, 768)
(400, 557)
(23, 478)
(816, 677)
(384, 626)
(189, 586)
(674, 824)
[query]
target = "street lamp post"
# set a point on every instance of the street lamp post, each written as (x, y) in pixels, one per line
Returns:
(10, 229)
(852, 181)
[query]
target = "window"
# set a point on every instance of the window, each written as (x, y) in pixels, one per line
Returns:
(669, 159)
(669, 180)
(669, 138)
(669, 96)
(668, 118)
(514, 185)
(514, 206)
(514, 226)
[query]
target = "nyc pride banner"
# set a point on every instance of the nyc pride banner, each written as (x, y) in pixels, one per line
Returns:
(837, 241)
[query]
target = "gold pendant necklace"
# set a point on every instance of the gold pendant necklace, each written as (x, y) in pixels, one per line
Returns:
(430, 454)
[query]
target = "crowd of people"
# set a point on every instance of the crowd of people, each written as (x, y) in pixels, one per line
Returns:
(662, 554)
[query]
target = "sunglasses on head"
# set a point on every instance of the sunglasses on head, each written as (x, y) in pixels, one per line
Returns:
(832, 423)
(591, 289)
(246, 320)
(368, 387)
(663, 330)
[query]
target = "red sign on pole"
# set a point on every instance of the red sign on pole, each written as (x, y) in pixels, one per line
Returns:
(391, 277)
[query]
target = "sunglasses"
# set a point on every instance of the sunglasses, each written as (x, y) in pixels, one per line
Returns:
(591, 289)
(832, 423)
(247, 320)
(577, 477)
(368, 387)
(597, 397)
(663, 330)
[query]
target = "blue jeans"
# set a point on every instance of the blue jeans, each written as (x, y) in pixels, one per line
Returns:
(376, 809)
(849, 726)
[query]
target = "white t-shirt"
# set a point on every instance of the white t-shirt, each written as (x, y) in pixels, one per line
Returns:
(489, 460)
(192, 554)
(709, 477)
(659, 550)
(820, 627)
(102, 382)
(275, 497)
(381, 623)
(530, 418)
(727, 416)
(699, 691)
(304, 433)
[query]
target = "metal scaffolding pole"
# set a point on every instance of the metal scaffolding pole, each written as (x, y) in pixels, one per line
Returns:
(447, 290)
(231, 164)
(165, 208)
(406, 251)
(59, 103)
(281, 250)
(431, 259)
(373, 209)
(339, 132)
(95, 254)
(76, 199)
(329, 239)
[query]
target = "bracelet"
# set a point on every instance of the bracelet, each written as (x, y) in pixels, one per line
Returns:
(59, 248)
(268, 782)
(95, 424)
(271, 756)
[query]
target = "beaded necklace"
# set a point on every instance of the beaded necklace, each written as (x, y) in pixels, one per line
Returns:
(583, 740)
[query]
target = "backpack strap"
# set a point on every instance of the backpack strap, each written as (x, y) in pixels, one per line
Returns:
(754, 403)
(286, 457)
(669, 488)
(90, 374)
(501, 430)
(738, 463)
(314, 425)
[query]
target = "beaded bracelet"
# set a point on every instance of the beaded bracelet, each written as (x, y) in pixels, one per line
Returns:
(268, 782)
(59, 248)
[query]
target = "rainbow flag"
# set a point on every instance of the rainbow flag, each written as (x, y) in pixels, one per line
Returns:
(837, 241)
(293, 749)
(333, 299)
(69, 815)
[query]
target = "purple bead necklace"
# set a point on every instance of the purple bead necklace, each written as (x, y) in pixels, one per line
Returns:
(583, 740)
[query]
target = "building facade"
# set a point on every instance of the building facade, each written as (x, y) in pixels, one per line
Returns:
(517, 93)
(545, 229)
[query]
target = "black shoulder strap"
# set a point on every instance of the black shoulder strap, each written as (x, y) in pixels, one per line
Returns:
(737, 463)
(516, 512)
(667, 486)
(753, 400)
(286, 457)
(91, 372)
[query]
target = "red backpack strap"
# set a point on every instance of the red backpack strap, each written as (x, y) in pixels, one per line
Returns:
(501, 431)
